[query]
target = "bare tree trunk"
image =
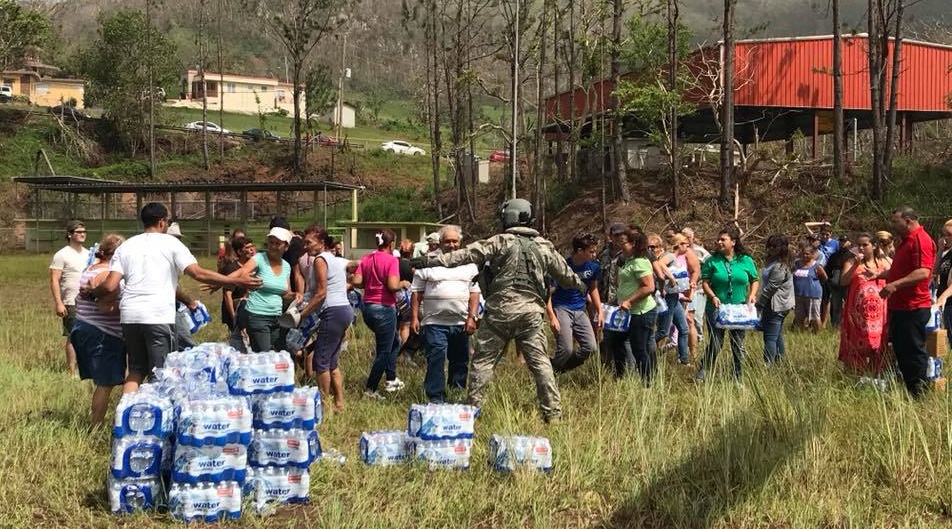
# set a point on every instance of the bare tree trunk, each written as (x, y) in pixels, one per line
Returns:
(893, 91)
(571, 173)
(618, 142)
(673, 147)
(875, 92)
(433, 89)
(838, 126)
(560, 142)
(727, 120)
(539, 175)
(221, 83)
(202, 59)
(153, 167)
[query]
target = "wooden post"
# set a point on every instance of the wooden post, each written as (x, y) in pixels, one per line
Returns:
(244, 210)
(173, 202)
(816, 135)
(139, 209)
(314, 201)
(102, 215)
(208, 222)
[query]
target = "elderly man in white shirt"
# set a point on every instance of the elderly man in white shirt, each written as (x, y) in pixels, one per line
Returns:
(443, 310)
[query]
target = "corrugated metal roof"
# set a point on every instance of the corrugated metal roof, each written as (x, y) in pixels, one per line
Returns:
(82, 185)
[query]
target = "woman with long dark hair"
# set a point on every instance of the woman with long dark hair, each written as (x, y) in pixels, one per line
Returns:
(635, 294)
(729, 276)
(379, 275)
(776, 297)
(863, 327)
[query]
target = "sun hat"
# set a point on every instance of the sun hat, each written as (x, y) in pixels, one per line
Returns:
(174, 230)
(281, 234)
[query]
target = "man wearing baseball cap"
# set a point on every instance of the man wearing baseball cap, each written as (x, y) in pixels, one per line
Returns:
(65, 270)
(151, 263)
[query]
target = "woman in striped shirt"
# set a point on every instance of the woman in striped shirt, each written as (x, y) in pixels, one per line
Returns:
(97, 335)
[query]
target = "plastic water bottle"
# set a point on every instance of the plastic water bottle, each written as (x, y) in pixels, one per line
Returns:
(258, 373)
(208, 502)
(284, 448)
(195, 464)
(138, 456)
(218, 422)
(133, 495)
(144, 413)
(270, 486)
(443, 453)
(91, 258)
(508, 452)
(384, 447)
(297, 338)
(333, 455)
(441, 421)
(199, 316)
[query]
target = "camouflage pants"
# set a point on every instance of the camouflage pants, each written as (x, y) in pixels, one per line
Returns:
(528, 331)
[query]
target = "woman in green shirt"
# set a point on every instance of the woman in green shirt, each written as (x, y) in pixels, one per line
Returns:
(635, 289)
(728, 276)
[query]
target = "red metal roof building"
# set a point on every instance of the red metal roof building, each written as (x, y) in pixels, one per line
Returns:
(785, 85)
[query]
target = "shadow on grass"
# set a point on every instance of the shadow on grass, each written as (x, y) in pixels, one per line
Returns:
(733, 463)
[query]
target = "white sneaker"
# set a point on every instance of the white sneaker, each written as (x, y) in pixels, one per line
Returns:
(373, 395)
(393, 385)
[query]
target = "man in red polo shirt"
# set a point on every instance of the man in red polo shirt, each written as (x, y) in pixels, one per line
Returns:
(909, 299)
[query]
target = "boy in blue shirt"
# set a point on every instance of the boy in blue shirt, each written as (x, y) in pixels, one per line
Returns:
(566, 308)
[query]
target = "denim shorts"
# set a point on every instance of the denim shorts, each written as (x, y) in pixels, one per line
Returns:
(100, 356)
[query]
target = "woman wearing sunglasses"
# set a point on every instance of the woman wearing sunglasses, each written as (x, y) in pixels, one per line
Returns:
(728, 276)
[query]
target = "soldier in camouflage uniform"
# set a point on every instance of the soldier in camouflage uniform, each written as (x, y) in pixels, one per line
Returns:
(516, 266)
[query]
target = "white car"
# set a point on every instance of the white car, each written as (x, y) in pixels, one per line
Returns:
(402, 147)
(207, 125)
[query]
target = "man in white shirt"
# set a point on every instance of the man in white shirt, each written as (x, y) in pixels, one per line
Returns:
(151, 263)
(65, 270)
(449, 298)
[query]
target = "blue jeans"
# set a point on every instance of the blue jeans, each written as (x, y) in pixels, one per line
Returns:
(620, 347)
(641, 334)
(382, 320)
(443, 343)
(676, 315)
(772, 326)
(716, 341)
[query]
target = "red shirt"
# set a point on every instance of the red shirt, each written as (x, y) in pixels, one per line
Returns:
(916, 250)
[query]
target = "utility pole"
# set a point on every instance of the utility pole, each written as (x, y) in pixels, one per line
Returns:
(513, 159)
(340, 86)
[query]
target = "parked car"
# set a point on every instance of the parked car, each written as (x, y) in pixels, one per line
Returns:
(207, 125)
(324, 140)
(402, 147)
(260, 135)
(67, 112)
(6, 94)
(499, 156)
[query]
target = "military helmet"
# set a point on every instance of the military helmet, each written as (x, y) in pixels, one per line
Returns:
(516, 212)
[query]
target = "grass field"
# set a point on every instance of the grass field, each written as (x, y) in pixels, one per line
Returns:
(796, 446)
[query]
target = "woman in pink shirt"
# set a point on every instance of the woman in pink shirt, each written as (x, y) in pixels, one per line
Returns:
(379, 275)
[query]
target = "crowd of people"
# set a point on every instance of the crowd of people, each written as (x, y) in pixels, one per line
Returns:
(624, 301)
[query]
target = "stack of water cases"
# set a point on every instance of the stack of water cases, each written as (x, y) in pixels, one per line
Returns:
(283, 446)
(141, 450)
(441, 435)
(213, 430)
(510, 452)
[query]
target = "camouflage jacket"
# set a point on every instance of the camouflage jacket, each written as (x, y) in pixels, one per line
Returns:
(492, 256)
(608, 282)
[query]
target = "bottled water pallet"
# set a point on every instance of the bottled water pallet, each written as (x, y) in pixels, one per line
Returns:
(237, 426)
